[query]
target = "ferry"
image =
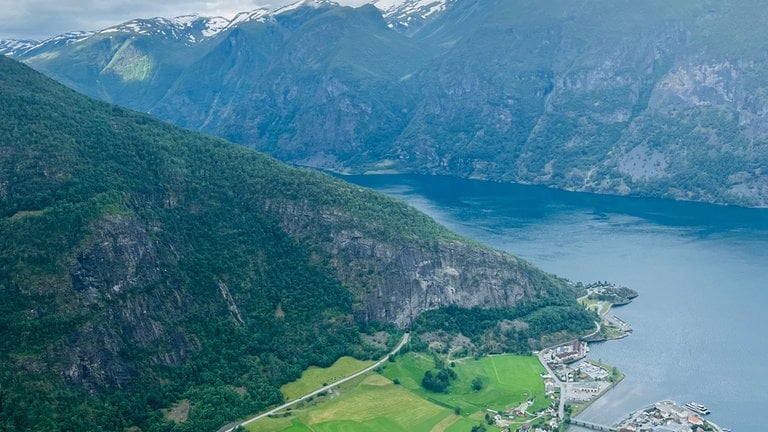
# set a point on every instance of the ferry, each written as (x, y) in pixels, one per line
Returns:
(697, 408)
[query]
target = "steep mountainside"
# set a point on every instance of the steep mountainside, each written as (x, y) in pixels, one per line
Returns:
(625, 97)
(144, 268)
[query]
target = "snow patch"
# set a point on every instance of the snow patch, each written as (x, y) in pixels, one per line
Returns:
(259, 15)
(215, 25)
(309, 3)
(16, 47)
(401, 13)
(422, 8)
(185, 20)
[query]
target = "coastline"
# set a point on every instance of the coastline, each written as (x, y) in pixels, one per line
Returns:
(581, 382)
(689, 417)
(665, 413)
(602, 298)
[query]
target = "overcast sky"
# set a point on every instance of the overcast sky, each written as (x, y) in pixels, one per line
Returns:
(41, 19)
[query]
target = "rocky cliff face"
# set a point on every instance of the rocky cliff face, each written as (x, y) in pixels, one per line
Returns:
(395, 281)
(121, 275)
(410, 279)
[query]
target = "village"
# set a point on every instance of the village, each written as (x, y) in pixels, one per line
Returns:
(571, 381)
(668, 416)
(578, 381)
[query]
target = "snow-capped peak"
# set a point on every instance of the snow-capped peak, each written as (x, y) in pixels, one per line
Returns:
(259, 15)
(12, 47)
(215, 25)
(425, 7)
(401, 14)
(308, 3)
(405, 13)
(193, 28)
(18, 48)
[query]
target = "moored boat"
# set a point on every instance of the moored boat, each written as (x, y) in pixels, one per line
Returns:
(697, 408)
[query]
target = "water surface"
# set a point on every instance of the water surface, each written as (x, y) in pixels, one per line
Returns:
(701, 272)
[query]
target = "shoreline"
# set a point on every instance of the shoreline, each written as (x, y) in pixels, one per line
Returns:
(663, 413)
(581, 386)
(640, 419)
(603, 298)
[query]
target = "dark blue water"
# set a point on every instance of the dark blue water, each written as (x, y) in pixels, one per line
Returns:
(702, 273)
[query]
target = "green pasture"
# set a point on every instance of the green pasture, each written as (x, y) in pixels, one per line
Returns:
(375, 403)
(508, 380)
(315, 377)
(282, 424)
(599, 306)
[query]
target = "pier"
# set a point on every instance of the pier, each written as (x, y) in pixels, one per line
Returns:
(593, 426)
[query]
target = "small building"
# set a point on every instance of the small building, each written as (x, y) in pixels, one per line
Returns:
(670, 427)
(586, 387)
(549, 386)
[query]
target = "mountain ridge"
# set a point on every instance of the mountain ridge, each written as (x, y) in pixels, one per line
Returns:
(645, 98)
(401, 14)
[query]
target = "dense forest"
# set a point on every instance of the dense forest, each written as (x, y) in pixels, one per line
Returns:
(493, 331)
(137, 271)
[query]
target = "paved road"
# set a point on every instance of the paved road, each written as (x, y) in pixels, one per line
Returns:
(560, 384)
(402, 343)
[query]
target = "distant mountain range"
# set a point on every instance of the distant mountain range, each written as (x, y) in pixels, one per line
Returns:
(404, 15)
(645, 97)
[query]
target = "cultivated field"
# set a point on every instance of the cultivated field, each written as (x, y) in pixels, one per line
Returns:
(315, 377)
(508, 380)
(375, 403)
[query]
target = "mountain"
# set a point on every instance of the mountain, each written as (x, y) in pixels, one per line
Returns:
(409, 16)
(156, 279)
(644, 98)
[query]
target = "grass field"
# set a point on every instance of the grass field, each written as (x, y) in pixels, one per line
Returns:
(508, 381)
(371, 404)
(601, 307)
(315, 377)
(375, 403)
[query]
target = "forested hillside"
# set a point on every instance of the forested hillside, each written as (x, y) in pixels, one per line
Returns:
(159, 279)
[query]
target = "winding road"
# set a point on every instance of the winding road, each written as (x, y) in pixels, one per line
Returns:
(232, 427)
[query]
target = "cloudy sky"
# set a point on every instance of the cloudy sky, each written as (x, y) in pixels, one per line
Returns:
(40, 19)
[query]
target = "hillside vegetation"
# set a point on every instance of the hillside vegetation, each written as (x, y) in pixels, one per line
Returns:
(159, 279)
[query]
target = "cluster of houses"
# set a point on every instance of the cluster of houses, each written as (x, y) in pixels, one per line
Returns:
(565, 354)
(511, 418)
(665, 416)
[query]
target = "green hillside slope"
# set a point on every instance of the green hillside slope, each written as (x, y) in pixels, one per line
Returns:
(144, 268)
